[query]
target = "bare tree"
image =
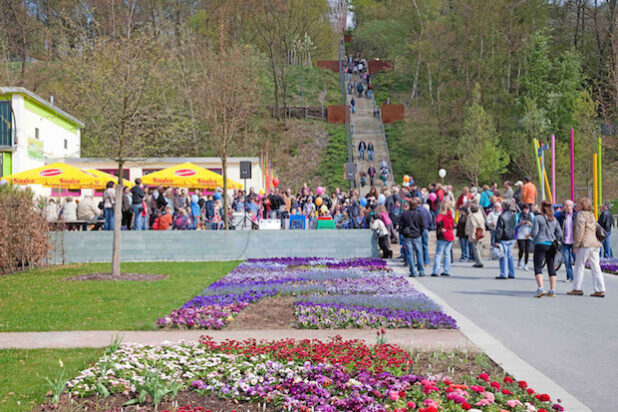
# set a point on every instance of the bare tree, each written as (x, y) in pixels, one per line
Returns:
(226, 97)
(115, 84)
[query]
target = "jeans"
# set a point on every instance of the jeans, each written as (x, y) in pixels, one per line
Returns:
(109, 218)
(568, 258)
(370, 155)
(443, 253)
(506, 261)
(416, 246)
(138, 219)
(362, 154)
(425, 237)
(591, 256)
(606, 250)
(463, 245)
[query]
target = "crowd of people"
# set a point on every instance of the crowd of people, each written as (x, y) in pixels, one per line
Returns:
(567, 233)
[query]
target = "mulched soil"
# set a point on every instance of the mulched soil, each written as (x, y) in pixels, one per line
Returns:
(270, 313)
(114, 403)
(141, 277)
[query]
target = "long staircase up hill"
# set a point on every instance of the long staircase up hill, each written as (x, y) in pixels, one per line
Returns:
(365, 126)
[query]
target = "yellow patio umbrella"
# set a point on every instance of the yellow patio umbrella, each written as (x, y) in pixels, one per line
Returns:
(56, 175)
(106, 177)
(188, 175)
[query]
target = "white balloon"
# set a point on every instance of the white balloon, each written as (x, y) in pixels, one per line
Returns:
(442, 173)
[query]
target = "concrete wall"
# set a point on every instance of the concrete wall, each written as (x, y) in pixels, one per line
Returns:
(83, 247)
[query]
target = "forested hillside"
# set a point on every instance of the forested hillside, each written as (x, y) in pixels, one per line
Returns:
(142, 69)
(481, 79)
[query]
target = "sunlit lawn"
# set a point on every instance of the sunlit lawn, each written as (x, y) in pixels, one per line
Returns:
(42, 301)
(23, 372)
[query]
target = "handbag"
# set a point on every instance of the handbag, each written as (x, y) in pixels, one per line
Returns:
(479, 234)
(601, 233)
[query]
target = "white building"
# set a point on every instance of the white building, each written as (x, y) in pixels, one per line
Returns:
(33, 129)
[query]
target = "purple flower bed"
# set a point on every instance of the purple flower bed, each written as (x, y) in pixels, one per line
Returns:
(313, 315)
(609, 265)
(330, 293)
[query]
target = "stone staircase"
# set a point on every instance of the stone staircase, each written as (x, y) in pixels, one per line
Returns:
(365, 126)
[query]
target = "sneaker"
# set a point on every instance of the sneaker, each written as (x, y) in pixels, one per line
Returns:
(434, 275)
(539, 293)
(444, 274)
(501, 277)
(575, 292)
(598, 294)
(477, 265)
(526, 268)
(412, 276)
(551, 294)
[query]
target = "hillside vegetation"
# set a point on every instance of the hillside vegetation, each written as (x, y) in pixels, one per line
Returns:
(480, 80)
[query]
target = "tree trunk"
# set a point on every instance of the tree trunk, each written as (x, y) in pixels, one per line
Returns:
(117, 223)
(275, 80)
(224, 167)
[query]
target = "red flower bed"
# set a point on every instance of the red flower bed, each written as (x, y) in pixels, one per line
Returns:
(352, 354)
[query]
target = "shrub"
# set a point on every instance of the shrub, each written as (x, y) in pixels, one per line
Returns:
(23, 231)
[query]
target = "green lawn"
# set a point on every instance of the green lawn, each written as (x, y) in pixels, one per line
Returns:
(23, 373)
(42, 301)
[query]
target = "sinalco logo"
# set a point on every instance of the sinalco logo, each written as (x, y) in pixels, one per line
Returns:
(184, 172)
(50, 172)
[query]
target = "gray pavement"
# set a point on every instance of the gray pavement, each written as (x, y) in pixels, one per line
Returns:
(422, 339)
(573, 340)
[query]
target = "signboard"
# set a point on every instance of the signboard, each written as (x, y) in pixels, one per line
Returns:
(35, 149)
(6, 124)
(350, 171)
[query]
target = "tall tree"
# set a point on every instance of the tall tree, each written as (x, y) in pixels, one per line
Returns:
(114, 83)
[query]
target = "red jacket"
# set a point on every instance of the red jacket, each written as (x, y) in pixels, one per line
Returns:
(448, 224)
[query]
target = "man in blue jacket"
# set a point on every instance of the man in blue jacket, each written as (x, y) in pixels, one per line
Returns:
(411, 227)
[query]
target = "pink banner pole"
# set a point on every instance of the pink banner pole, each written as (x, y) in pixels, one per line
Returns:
(572, 167)
(553, 168)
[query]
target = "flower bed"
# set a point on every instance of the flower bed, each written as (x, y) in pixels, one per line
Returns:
(335, 375)
(330, 293)
(609, 265)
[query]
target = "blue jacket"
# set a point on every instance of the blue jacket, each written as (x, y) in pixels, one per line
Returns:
(427, 219)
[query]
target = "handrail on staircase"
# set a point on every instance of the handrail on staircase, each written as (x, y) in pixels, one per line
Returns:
(388, 156)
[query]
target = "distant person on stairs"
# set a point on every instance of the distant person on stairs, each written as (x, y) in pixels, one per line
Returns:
(360, 89)
(353, 105)
(362, 146)
(370, 151)
(371, 172)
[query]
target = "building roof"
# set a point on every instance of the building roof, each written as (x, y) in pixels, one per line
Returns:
(40, 100)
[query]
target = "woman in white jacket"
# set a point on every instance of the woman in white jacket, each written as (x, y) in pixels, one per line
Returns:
(378, 226)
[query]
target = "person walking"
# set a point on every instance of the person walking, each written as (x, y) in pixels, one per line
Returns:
(475, 229)
(508, 191)
(606, 220)
(486, 196)
(504, 237)
(127, 201)
(545, 231)
(353, 105)
(524, 221)
(587, 250)
(411, 227)
(464, 244)
(378, 226)
(566, 219)
(528, 192)
(109, 200)
(428, 221)
(371, 172)
(359, 89)
(517, 194)
(137, 206)
(492, 221)
(370, 151)
(362, 146)
(445, 237)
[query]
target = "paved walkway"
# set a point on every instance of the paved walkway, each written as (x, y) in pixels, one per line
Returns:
(573, 340)
(407, 338)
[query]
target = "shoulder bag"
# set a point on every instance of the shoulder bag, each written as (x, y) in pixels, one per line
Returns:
(601, 233)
